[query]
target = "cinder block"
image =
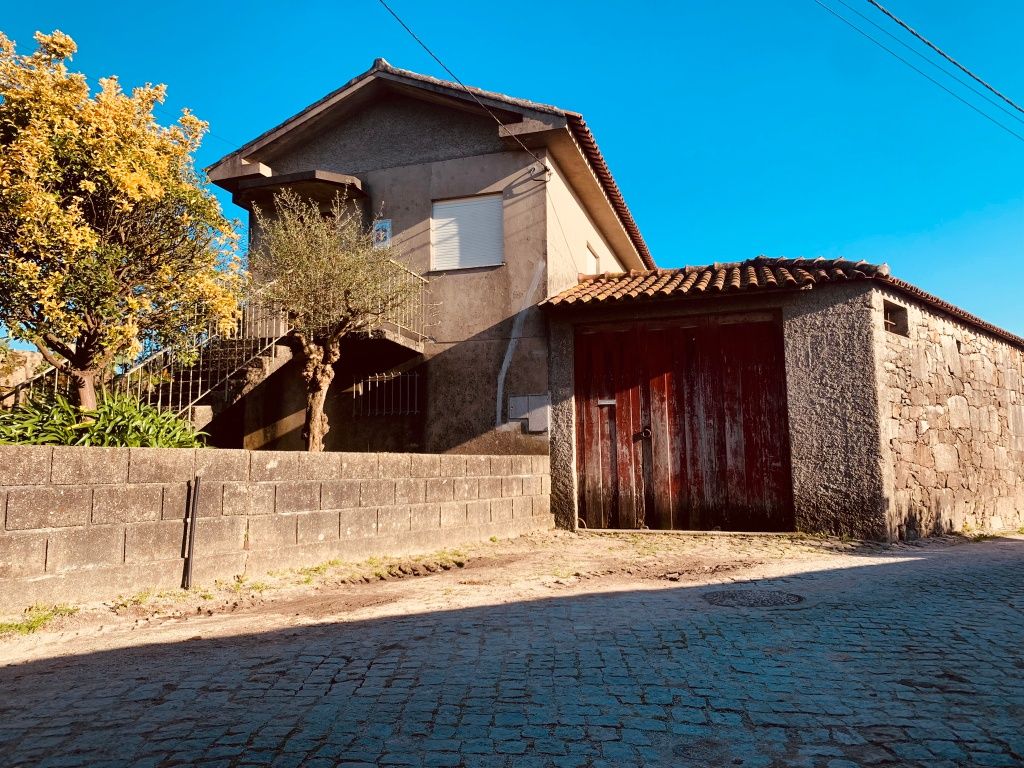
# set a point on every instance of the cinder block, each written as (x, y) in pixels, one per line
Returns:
(541, 505)
(466, 488)
(273, 465)
(54, 507)
(145, 542)
(298, 496)
(453, 465)
(358, 523)
(522, 507)
(319, 466)
(358, 465)
(453, 514)
(376, 493)
(394, 465)
(217, 464)
(501, 466)
(511, 486)
(248, 499)
(541, 464)
(75, 548)
(22, 554)
(426, 517)
(440, 489)
(478, 512)
(211, 499)
(424, 465)
(126, 503)
(339, 494)
(219, 535)
(86, 466)
(501, 510)
(272, 531)
(522, 465)
(161, 465)
(25, 464)
(393, 520)
(489, 488)
(545, 484)
(531, 485)
(478, 466)
(317, 526)
(410, 490)
(175, 501)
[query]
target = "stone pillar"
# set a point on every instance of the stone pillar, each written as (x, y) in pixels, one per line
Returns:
(561, 354)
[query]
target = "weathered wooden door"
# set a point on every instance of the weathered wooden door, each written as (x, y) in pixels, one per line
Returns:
(683, 425)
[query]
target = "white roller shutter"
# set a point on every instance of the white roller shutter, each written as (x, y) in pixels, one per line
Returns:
(467, 233)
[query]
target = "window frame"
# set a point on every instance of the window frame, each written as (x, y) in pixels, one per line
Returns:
(493, 196)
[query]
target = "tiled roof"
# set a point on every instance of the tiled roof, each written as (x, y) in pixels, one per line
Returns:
(754, 275)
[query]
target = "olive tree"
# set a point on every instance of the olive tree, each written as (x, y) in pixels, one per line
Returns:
(325, 271)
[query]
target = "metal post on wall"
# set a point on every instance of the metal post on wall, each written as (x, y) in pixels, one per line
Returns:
(193, 505)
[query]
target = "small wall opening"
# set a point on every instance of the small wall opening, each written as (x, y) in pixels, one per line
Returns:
(895, 319)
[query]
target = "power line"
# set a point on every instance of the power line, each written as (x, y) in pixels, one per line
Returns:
(944, 55)
(465, 87)
(938, 66)
(923, 74)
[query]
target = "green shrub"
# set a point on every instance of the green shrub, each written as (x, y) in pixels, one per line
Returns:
(119, 420)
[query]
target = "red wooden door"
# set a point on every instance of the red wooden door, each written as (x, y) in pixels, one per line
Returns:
(683, 426)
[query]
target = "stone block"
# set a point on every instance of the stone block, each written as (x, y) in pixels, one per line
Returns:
(89, 466)
(522, 465)
(947, 459)
(489, 488)
(478, 466)
(440, 489)
(959, 412)
(426, 517)
(410, 490)
(545, 484)
(339, 494)
(298, 496)
(319, 466)
(511, 486)
(429, 465)
(175, 502)
(248, 498)
(358, 523)
(393, 520)
(376, 493)
(531, 485)
(501, 465)
(25, 464)
(393, 466)
(317, 526)
(478, 512)
(271, 531)
(273, 465)
(220, 535)
(541, 465)
(522, 507)
(217, 464)
(501, 510)
(211, 499)
(126, 503)
(541, 505)
(146, 542)
(53, 507)
(22, 554)
(453, 465)
(73, 548)
(454, 514)
(359, 465)
(160, 465)
(466, 488)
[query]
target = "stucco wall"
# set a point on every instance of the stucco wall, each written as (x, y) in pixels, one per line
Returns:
(953, 423)
(89, 523)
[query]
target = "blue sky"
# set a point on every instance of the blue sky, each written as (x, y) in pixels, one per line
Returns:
(733, 129)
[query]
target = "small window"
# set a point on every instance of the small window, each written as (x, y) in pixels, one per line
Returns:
(895, 318)
(467, 233)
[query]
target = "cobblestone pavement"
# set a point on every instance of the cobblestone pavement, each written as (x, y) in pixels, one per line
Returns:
(906, 660)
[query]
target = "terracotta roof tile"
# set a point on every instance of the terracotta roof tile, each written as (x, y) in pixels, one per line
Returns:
(760, 274)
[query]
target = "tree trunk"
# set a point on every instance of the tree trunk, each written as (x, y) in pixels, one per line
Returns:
(318, 372)
(85, 389)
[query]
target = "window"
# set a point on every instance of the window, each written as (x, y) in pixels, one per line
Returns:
(467, 233)
(895, 318)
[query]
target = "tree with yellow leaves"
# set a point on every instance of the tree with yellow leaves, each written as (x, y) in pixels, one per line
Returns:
(109, 241)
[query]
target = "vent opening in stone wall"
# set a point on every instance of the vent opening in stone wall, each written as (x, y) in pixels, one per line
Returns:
(386, 394)
(895, 318)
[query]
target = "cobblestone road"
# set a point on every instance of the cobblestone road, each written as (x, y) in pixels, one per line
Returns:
(905, 662)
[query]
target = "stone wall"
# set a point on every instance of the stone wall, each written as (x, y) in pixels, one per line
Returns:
(91, 523)
(952, 423)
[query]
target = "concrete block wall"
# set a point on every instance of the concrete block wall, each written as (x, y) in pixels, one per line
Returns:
(91, 523)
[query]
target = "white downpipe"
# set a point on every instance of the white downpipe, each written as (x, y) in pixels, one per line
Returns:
(517, 330)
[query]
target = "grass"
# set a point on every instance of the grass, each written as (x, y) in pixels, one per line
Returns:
(139, 598)
(35, 618)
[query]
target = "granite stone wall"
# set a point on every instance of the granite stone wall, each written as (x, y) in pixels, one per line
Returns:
(952, 424)
(91, 523)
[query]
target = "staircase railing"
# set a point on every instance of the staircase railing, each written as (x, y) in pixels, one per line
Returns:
(410, 316)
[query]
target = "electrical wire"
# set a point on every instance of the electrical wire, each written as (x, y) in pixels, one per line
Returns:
(923, 74)
(943, 54)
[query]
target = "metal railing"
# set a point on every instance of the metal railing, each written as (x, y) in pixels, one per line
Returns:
(386, 394)
(410, 315)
